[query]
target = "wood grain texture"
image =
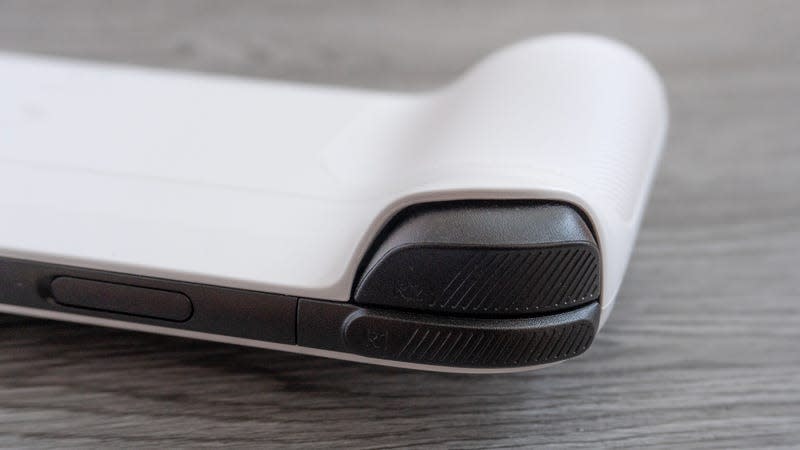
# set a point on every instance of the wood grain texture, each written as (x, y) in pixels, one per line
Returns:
(701, 351)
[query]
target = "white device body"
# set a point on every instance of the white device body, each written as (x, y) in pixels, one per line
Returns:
(281, 187)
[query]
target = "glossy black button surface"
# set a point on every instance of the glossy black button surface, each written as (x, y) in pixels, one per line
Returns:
(121, 298)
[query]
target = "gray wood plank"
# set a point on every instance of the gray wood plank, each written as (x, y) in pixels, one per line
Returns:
(701, 350)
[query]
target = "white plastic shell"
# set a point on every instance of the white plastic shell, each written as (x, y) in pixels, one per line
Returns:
(282, 187)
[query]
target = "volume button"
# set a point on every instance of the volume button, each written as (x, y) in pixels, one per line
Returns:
(121, 299)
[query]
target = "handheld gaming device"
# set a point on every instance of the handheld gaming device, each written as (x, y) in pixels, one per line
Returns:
(481, 227)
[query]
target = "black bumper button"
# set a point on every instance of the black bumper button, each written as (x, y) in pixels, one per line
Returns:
(447, 341)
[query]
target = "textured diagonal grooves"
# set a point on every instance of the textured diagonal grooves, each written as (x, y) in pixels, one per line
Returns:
(489, 282)
(483, 259)
(521, 281)
(474, 342)
(464, 276)
(485, 266)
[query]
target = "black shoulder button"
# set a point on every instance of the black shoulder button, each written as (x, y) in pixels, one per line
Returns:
(446, 341)
(483, 259)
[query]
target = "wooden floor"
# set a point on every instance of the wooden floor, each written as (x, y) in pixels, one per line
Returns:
(703, 348)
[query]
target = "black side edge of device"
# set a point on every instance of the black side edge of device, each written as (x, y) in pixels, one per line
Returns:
(148, 301)
(461, 284)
